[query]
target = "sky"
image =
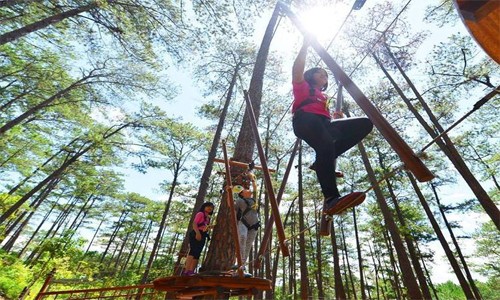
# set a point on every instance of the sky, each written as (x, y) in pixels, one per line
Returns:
(323, 21)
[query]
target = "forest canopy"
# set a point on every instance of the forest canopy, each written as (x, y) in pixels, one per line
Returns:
(112, 114)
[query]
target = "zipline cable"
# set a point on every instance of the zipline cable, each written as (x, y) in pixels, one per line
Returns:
(476, 106)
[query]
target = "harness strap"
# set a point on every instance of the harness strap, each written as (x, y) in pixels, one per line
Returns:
(241, 217)
(308, 100)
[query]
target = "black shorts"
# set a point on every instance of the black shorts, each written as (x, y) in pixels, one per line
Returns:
(195, 246)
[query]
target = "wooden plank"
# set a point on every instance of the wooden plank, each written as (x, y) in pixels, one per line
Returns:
(482, 20)
(180, 283)
(232, 212)
(241, 164)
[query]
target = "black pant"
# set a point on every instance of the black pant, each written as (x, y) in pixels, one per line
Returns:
(329, 139)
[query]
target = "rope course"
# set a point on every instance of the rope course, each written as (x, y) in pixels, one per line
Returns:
(227, 284)
(223, 284)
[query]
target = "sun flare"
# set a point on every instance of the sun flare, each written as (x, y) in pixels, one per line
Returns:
(324, 21)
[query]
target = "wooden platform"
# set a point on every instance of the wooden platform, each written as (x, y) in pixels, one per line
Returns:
(186, 287)
(482, 19)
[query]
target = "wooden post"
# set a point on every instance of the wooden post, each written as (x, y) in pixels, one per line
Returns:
(230, 204)
(267, 178)
(270, 222)
(412, 161)
(45, 284)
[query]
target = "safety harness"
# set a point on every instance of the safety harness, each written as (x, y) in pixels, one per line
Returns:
(312, 94)
(240, 215)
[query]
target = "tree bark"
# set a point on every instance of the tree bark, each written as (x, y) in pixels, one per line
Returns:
(445, 144)
(339, 287)
(17, 120)
(454, 264)
(304, 274)
(20, 32)
(205, 177)
(409, 279)
(457, 246)
(360, 257)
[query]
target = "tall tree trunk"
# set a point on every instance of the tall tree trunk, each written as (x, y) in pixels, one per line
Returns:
(344, 268)
(427, 273)
(145, 248)
(46, 216)
(15, 154)
(454, 264)
(486, 166)
(409, 279)
(292, 260)
(33, 208)
(409, 244)
(445, 144)
(31, 111)
(304, 274)
(407, 236)
(244, 148)
(27, 178)
(120, 252)
(157, 240)
(394, 270)
(319, 258)
(375, 269)
(360, 257)
(20, 32)
(144, 236)
(339, 287)
(74, 225)
(277, 256)
(96, 231)
(69, 160)
(348, 264)
(116, 229)
(205, 178)
(56, 225)
(457, 247)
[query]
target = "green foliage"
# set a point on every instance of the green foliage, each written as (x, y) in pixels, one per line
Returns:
(449, 291)
(490, 289)
(124, 47)
(488, 249)
(14, 275)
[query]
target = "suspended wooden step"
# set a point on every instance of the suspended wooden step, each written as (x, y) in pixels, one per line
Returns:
(482, 20)
(218, 286)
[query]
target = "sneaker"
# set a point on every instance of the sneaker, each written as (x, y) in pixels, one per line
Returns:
(336, 206)
(188, 273)
(245, 274)
(338, 174)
